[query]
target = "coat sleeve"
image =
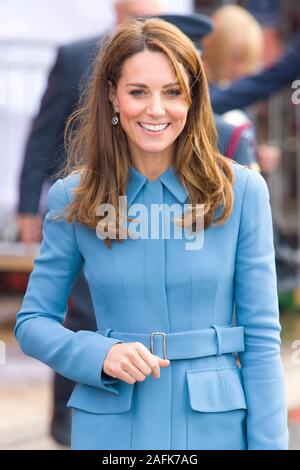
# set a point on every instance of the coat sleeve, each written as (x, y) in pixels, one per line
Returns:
(256, 305)
(78, 356)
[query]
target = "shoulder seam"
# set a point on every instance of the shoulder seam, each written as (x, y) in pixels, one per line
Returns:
(73, 224)
(242, 204)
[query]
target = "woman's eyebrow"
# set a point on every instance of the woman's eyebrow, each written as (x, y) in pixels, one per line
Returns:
(142, 85)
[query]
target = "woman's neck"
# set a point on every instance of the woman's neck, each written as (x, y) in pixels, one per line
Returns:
(151, 165)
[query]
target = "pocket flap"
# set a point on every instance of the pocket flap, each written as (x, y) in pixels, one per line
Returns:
(96, 400)
(216, 390)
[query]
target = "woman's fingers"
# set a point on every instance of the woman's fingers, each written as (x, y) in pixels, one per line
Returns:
(164, 362)
(132, 362)
(126, 377)
(150, 359)
(139, 362)
(154, 362)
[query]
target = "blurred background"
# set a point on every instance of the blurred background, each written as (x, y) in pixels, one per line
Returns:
(32, 33)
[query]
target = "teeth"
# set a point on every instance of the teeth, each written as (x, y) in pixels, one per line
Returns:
(150, 127)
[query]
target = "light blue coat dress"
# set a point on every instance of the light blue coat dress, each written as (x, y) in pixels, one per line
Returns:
(203, 400)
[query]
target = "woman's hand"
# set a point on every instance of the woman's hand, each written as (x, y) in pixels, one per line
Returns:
(132, 362)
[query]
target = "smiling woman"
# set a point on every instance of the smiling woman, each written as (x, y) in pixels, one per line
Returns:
(161, 372)
(152, 104)
(153, 80)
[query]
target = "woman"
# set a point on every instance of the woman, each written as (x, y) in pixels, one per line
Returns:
(160, 372)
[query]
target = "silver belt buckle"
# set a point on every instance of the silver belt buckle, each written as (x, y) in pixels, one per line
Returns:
(158, 333)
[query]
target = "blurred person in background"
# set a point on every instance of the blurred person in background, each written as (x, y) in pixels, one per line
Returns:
(267, 13)
(44, 157)
(260, 86)
(230, 54)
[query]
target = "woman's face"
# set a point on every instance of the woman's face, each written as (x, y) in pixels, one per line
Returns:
(152, 107)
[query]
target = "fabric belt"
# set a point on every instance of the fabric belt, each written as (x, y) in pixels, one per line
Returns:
(212, 341)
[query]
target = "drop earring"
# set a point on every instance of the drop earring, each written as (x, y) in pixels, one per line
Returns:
(115, 120)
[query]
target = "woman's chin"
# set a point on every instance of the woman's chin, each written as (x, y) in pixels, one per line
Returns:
(154, 149)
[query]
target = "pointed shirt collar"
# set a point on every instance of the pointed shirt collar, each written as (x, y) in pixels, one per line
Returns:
(169, 179)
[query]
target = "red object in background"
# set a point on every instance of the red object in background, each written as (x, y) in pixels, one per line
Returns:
(13, 282)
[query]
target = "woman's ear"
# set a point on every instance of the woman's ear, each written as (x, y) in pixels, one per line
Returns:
(113, 97)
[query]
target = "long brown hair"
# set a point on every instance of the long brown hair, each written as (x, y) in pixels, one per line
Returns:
(100, 152)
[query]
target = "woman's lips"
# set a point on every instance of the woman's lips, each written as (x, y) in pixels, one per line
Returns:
(153, 132)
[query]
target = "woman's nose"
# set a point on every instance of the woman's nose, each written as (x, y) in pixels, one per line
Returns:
(156, 108)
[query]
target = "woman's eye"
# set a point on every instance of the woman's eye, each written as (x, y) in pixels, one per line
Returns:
(174, 92)
(137, 92)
